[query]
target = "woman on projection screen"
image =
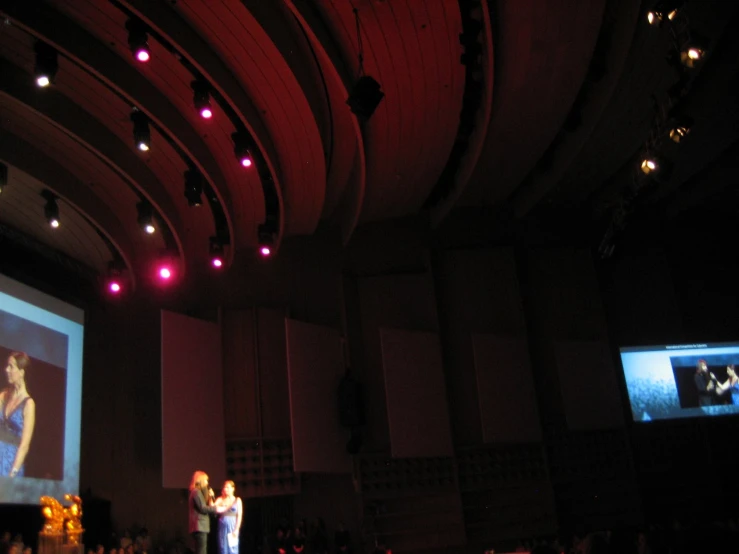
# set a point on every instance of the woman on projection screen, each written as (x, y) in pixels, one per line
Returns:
(17, 417)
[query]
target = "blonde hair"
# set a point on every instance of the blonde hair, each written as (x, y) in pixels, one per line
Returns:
(197, 479)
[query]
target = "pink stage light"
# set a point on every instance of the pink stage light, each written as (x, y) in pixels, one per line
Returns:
(206, 113)
(143, 55)
(246, 161)
(165, 273)
(265, 251)
(216, 262)
(114, 287)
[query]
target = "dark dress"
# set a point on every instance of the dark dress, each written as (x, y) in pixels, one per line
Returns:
(11, 429)
(705, 397)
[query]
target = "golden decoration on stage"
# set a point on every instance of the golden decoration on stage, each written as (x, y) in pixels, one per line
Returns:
(73, 516)
(62, 530)
(53, 511)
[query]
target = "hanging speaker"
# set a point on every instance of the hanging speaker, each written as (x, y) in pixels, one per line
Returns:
(365, 97)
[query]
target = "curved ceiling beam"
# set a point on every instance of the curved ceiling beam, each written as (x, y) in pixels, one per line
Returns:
(199, 54)
(95, 137)
(543, 50)
(477, 139)
(78, 45)
(18, 153)
(619, 22)
(334, 65)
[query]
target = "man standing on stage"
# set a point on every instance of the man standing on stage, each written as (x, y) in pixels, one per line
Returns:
(200, 507)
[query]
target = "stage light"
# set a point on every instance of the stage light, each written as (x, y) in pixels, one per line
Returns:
(141, 132)
(138, 39)
(3, 177)
(46, 64)
(114, 287)
(201, 98)
(193, 187)
(145, 217)
(692, 55)
(266, 239)
(51, 209)
(216, 252)
(164, 272)
(654, 18)
(242, 150)
(677, 134)
(648, 165)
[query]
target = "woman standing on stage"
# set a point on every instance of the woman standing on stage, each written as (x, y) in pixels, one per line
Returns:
(229, 522)
(17, 417)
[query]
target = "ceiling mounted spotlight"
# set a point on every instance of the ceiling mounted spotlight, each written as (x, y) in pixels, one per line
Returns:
(3, 177)
(51, 209)
(46, 64)
(680, 128)
(242, 150)
(201, 98)
(138, 39)
(114, 282)
(649, 164)
(266, 239)
(216, 253)
(664, 10)
(145, 217)
(692, 55)
(193, 187)
(141, 133)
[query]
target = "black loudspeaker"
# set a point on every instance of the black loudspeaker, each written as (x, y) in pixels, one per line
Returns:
(365, 97)
(350, 403)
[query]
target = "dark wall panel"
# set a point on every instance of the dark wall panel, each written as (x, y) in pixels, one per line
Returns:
(192, 392)
(273, 387)
(315, 367)
(505, 389)
(416, 394)
(394, 301)
(478, 292)
(589, 386)
(240, 395)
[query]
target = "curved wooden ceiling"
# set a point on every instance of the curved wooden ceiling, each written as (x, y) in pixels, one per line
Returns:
(281, 72)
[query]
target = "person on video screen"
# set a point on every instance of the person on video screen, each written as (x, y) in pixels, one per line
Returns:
(706, 383)
(17, 417)
(731, 385)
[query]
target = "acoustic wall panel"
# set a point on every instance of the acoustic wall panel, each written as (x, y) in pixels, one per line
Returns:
(505, 387)
(315, 364)
(590, 391)
(417, 410)
(192, 400)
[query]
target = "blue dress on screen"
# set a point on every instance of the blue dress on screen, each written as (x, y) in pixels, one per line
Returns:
(227, 525)
(11, 429)
(734, 389)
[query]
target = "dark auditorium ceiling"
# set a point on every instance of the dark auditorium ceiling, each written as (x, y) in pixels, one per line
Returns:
(542, 110)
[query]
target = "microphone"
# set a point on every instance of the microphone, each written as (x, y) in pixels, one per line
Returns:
(211, 494)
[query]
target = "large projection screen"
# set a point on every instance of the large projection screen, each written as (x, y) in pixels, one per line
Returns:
(681, 381)
(50, 333)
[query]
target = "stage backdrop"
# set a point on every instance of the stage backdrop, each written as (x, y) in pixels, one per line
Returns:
(192, 401)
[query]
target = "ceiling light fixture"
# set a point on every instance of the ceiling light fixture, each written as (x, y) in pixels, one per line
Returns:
(46, 64)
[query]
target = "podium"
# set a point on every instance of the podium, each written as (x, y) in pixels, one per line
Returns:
(50, 543)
